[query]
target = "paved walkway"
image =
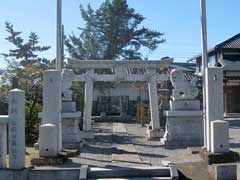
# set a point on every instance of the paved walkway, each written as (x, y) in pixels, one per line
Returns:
(234, 134)
(124, 145)
(119, 144)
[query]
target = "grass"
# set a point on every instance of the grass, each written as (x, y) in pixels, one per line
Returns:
(30, 153)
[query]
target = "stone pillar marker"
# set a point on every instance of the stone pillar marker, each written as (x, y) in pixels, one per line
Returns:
(16, 129)
(3, 145)
(214, 99)
(88, 98)
(52, 102)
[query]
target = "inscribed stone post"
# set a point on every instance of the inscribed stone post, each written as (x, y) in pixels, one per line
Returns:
(214, 99)
(52, 101)
(16, 129)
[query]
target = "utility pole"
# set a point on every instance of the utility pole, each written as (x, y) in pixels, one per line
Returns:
(204, 64)
(59, 57)
(59, 36)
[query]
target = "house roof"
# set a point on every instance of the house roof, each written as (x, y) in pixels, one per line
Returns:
(188, 67)
(230, 43)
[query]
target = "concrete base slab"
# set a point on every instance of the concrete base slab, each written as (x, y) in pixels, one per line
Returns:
(155, 134)
(223, 171)
(167, 173)
(194, 150)
(107, 118)
(43, 161)
(87, 135)
(8, 174)
(211, 158)
(163, 172)
(71, 152)
(71, 145)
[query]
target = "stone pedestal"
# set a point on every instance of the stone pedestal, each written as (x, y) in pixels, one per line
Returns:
(87, 134)
(69, 106)
(70, 117)
(103, 114)
(186, 105)
(70, 130)
(183, 128)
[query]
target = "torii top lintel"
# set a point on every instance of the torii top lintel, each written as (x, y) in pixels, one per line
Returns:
(95, 64)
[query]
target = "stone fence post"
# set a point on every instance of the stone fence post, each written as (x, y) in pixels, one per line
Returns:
(3, 141)
(16, 129)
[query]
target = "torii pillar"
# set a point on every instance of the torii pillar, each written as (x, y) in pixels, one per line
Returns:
(153, 131)
(88, 98)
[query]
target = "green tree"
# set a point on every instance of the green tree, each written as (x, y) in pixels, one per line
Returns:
(112, 32)
(25, 64)
(24, 51)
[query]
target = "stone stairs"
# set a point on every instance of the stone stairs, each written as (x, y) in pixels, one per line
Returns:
(163, 173)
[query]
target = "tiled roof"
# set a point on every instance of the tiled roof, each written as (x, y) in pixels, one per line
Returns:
(187, 68)
(232, 43)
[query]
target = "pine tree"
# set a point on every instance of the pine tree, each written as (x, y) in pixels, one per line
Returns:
(24, 51)
(112, 32)
(25, 64)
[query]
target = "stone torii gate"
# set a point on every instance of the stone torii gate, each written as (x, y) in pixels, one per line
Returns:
(121, 72)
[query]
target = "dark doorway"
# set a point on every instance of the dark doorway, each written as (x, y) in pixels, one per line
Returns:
(112, 105)
(232, 99)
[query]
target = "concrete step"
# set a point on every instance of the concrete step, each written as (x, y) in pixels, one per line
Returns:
(149, 178)
(133, 173)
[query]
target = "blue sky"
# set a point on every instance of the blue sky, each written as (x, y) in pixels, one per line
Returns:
(178, 19)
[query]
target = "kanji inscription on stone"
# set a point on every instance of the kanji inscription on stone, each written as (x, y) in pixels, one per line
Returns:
(16, 129)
